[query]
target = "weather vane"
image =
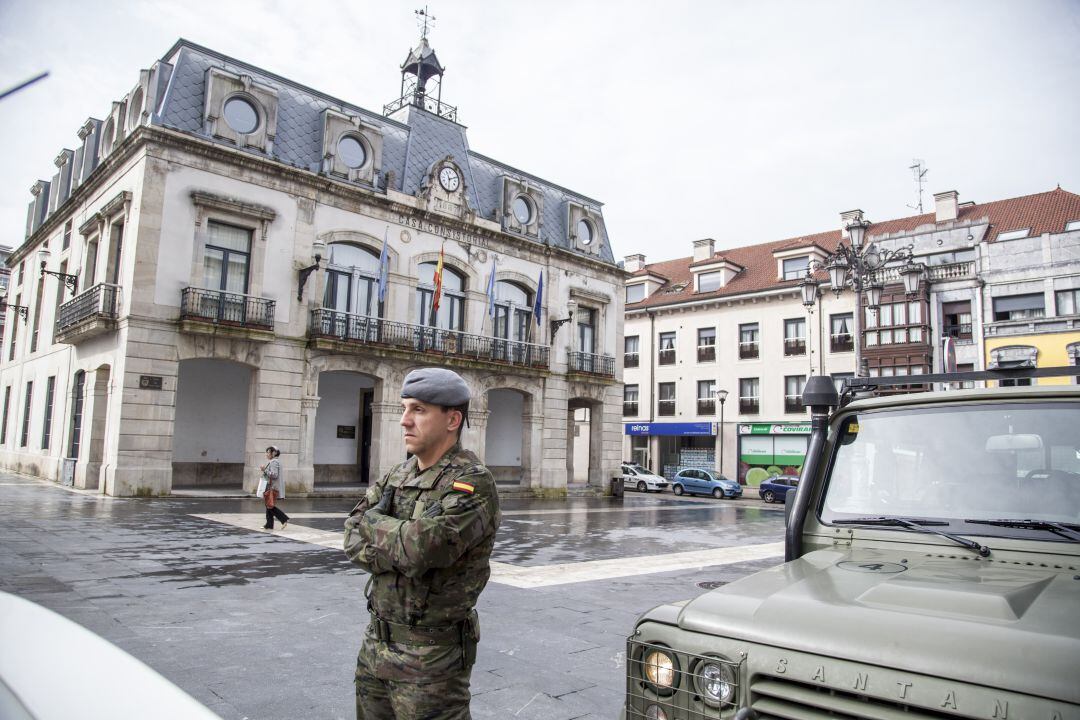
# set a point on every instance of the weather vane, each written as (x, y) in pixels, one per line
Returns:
(425, 20)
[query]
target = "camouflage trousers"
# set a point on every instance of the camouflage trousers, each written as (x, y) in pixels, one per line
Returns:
(394, 700)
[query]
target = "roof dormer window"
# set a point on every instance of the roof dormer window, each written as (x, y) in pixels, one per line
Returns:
(635, 293)
(795, 268)
(709, 281)
(1014, 234)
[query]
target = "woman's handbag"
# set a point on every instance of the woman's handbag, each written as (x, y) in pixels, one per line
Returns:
(262, 487)
(270, 497)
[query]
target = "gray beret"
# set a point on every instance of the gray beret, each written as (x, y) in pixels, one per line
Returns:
(437, 386)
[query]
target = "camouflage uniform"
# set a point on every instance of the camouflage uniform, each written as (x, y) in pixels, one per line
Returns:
(428, 559)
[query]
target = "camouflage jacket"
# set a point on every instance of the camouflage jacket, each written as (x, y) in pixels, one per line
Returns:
(426, 571)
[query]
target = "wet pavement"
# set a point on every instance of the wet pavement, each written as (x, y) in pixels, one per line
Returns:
(267, 625)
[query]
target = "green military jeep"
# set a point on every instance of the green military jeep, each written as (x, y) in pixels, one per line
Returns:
(932, 570)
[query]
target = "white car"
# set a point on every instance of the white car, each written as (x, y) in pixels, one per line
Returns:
(640, 479)
(51, 667)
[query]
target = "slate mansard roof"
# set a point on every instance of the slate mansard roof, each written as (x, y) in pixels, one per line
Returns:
(409, 150)
(1046, 212)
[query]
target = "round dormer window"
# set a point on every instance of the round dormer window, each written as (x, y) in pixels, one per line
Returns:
(584, 232)
(241, 115)
(352, 152)
(523, 211)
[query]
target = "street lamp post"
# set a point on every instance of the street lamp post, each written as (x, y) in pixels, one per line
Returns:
(721, 395)
(856, 266)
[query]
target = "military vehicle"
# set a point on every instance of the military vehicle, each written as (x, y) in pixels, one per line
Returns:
(932, 569)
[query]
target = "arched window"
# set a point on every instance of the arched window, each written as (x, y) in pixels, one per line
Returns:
(451, 315)
(513, 311)
(352, 280)
(106, 142)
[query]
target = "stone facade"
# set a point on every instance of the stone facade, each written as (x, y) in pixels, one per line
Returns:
(191, 345)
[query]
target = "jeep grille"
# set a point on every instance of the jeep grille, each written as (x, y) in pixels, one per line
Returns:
(773, 698)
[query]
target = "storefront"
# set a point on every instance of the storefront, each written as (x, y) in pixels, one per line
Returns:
(677, 445)
(767, 449)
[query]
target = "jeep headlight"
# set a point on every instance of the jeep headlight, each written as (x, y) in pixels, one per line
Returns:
(715, 681)
(659, 668)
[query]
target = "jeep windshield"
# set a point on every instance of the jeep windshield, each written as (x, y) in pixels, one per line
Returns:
(1002, 469)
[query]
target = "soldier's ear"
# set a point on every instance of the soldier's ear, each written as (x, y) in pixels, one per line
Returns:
(460, 419)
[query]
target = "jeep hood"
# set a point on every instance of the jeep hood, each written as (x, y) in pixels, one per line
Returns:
(1002, 624)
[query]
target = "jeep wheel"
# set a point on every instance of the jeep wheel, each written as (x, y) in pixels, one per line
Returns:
(677, 489)
(718, 493)
(642, 487)
(768, 496)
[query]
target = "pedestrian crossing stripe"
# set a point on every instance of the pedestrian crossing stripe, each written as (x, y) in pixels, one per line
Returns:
(463, 486)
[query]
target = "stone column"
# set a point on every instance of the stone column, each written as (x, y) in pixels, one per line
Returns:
(387, 444)
(532, 451)
(305, 461)
(475, 438)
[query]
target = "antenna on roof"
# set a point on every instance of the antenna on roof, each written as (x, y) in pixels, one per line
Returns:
(919, 172)
(425, 21)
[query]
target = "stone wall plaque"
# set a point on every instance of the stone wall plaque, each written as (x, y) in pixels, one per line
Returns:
(346, 431)
(150, 382)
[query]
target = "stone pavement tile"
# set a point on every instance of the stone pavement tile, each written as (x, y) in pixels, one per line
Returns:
(521, 702)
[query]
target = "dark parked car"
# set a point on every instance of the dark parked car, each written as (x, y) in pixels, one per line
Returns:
(705, 482)
(775, 488)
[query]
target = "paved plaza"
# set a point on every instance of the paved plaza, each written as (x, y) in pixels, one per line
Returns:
(194, 588)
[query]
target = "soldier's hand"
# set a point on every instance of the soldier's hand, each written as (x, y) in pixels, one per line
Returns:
(383, 506)
(435, 510)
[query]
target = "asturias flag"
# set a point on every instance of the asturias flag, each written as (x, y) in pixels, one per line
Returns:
(538, 305)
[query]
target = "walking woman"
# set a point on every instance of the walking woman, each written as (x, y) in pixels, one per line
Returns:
(275, 484)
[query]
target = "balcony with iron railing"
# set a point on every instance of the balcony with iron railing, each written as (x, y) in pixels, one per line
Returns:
(749, 406)
(793, 404)
(960, 332)
(706, 406)
(706, 353)
(794, 346)
(666, 357)
(842, 342)
(426, 102)
(333, 329)
(591, 364)
(217, 312)
(629, 408)
(665, 408)
(92, 313)
(630, 360)
(748, 349)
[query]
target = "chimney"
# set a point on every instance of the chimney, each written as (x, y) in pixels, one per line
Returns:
(633, 263)
(945, 206)
(703, 249)
(848, 217)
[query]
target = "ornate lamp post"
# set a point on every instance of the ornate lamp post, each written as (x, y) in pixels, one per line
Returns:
(856, 266)
(721, 395)
(72, 281)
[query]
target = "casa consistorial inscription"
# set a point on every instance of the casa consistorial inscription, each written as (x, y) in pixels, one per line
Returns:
(441, 230)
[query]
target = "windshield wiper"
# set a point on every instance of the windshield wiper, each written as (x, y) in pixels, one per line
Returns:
(919, 526)
(1068, 530)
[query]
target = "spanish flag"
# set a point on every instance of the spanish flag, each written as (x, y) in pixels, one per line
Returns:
(438, 286)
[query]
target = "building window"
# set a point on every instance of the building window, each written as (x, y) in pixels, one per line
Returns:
(351, 151)
(67, 236)
(748, 341)
(894, 323)
(19, 273)
(630, 400)
(793, 387)
(665, 399)
(1067, 302)
(635, 293)
(968, 367)
(795, 337)
(14, 325)
(584, 232)
(957, 316)
(451, 313)
(90, 266)
(77, 389)
(706, 344)
(749, 396)
(3, 422)
(24, 438)
(513, 311)
(352, 276)
(226, 258)
(667, 349)
(631, 346)
(795, 268)
(586, 328)
(241, 115)
(46, 429)
(707, 282)
(1019, 307)
(840, 337)
(706, 397)
(37, 314)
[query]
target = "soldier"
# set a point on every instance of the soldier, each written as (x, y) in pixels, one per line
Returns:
(425, 533)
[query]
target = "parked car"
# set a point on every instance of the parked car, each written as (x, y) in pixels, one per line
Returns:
(775, 488)
(705, 482)
(52, 667)
(640, 479)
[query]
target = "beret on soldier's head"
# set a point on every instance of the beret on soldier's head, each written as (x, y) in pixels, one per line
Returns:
(437, 386)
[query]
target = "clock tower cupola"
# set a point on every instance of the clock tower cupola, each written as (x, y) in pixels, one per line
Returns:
(422, 77)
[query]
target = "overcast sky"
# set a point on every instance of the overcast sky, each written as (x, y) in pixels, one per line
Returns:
(741, 121)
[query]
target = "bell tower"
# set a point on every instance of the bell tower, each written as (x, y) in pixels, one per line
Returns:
(422, 76)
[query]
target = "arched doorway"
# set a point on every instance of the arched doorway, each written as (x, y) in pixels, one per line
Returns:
(506, 448)
(343, 423)
(584, 442)
(213, 399)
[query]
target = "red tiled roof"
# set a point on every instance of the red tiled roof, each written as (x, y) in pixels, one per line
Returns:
(1042, 213)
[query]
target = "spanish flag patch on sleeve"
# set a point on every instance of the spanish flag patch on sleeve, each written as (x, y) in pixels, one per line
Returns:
(464, 486)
